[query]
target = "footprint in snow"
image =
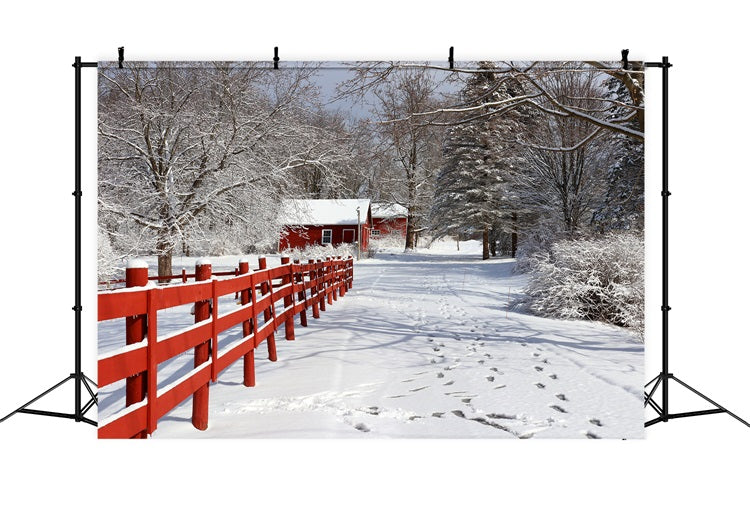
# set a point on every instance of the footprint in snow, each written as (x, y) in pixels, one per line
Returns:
(449, 383)
(362, 427)
(539, 368)
(596, 422)
(553, 376)
(558, 408)
(440, 375)
(540, 385)
(562, 397)
(490, 378)
(591, 435)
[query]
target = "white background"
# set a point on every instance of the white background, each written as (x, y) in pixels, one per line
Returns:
(698, 462)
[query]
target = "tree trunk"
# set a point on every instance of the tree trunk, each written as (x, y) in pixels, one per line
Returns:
(514, 236)
(410, 234)
(486, 243)
(165, 260)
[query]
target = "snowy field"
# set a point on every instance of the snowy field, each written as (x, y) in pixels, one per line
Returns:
(423, 346)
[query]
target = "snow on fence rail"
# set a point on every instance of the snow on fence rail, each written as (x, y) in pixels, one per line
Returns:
(295, 286)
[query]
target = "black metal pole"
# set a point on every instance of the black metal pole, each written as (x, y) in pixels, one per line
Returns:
(665, 376)
(77, 193)
(665, 238)
(77, 376)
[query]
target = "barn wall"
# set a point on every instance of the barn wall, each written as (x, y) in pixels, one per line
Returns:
(300, 237)
(387, 226)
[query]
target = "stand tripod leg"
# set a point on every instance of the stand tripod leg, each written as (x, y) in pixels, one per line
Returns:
(23, 409)
(712, 411)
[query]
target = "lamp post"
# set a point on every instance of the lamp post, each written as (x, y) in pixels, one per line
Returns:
(359, 236)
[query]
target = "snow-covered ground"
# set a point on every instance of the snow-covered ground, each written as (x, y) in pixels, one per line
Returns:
(424, 345)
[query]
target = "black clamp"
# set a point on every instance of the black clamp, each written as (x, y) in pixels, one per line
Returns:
(666, 308)
(625, 58)
(275, 57)
(120, 56)
(666, 193)
(77, 308)
(77, 193)
(450, 58)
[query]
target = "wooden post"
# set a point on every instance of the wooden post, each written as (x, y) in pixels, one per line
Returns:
(271, 341)
(286, 279)
(136, 328)
(322, 284)
(299, 279)
(247, 327)
(329, 281)
(342, 277)
(201, 352)
(314, 289)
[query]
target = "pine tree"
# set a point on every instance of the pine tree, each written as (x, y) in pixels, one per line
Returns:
(472, 190)
(622, 208)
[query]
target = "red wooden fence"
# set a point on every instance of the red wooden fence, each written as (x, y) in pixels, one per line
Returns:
(296, 286)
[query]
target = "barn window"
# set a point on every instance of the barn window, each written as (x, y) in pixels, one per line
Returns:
(375, 232)
(327, 235)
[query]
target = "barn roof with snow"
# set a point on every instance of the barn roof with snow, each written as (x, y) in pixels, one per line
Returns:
(303, 212)
(388, 210)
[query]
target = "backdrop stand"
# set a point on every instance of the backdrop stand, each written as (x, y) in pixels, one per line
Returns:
(78, 377)
(665, 376)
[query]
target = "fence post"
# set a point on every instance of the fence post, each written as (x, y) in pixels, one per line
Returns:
(330, 278)
(314, 289)
(322, 283)
(286, 279)
(350, 274)
(271, 341)
(202, 312)
(335, 268)
(342, 277)
(299, 278)
(249, 358)
(136, 328)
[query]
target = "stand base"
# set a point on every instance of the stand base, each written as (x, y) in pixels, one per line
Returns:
(665, 416)
(78, 416)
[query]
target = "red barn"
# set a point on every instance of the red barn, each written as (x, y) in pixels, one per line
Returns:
(324, 221)
(388, 219)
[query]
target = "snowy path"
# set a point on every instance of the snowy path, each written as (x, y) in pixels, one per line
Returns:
(423, 346)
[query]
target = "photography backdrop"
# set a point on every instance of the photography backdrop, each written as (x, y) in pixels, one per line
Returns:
(508, 304)
(714, 440)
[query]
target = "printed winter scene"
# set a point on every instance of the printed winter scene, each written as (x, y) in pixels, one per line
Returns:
(371, 249)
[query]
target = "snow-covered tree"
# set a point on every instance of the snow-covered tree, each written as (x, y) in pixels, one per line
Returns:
(566, 158)
(190, 151)
(623, 206)
(409, 150)
(472, 192)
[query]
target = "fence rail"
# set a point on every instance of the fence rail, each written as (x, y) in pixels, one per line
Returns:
(269, 298)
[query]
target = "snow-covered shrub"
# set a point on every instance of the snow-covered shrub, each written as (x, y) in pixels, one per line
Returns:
(322, 251)
(389, 242)
(593, 279)
(109, 266)
(534, 241)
